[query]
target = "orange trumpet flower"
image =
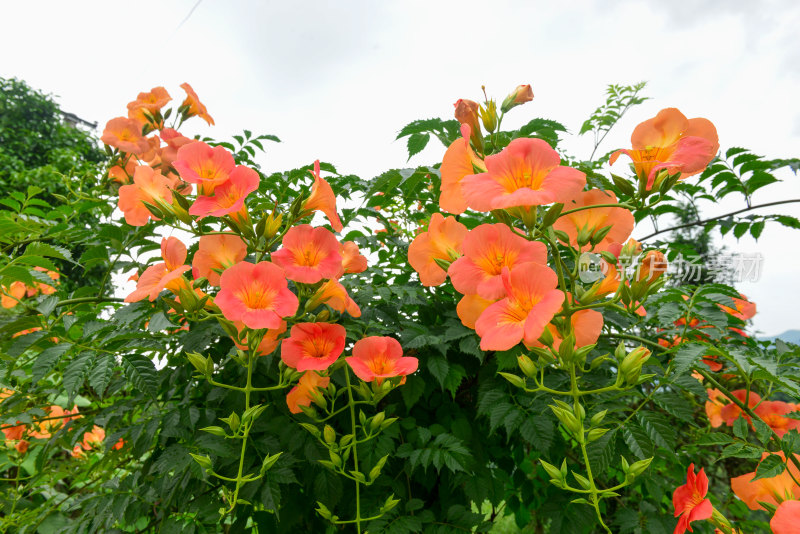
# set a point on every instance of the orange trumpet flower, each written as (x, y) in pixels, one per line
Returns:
(442, 241)
(313, 346)
(459, 161)
(786, 518)
(526, 173)
(772, 490)
(322, 199)
(256, 294)
(377, 358)
(307, 387)
(583, 224)
(217, 251)
(671, 142)
(148, 186)
(195, 107)
(228, 197)
(531, 302)
(309, 254)
(690, 500)
(488, 249)
(126, 135)
(166, 275)
(200, 164)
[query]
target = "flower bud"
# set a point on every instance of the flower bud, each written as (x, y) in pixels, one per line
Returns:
(376, 422)
(520, 95)
(272, 224)
(547, 337)
(329, 434)
(488, 115)
(637, 468)
(467, 112)
(569, 420)
(631, 248)
(631, 365)
(653, 266)
(527, 366)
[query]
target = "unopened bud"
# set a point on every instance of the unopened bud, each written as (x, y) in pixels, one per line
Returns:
(547, 337)
(329, 434)
(631, 248)
(595, 433)
(631, 365)
(520, 95)
(599, 235)
(467, 112)
(272, 224)
(637, 468)
(376, 422)
(567, 419)
(584, 235)
(527, 366)
(488, 114)
(444, 264)
(653, 266)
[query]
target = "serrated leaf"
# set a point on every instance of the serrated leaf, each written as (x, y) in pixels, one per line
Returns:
(101, 372)
(439, 367)
(75, 373)
(771, 466)
(638, 441)
(714, 438)
(602, 451)
(658, 428)
(740, 428)
(52, 251)
(46, 360)
(141, 372)
(416, 143)
(687, 357)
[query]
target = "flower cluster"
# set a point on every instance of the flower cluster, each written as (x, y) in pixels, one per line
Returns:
(13, 294)
(19, 436)
(272, 281)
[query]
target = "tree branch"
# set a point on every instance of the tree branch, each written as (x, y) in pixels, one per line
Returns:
(703, 221)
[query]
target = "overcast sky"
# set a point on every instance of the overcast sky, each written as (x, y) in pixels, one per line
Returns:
(337, 80)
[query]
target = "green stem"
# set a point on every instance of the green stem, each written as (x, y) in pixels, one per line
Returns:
(247, 389)
(576, 395)
(355, 449)
(581, 208)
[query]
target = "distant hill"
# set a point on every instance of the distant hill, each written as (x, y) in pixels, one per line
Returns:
(790, 336)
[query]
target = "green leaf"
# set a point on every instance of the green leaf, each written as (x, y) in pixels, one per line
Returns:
(412, 390)
(439, 367)
(416, 143)
(771, 466)
(714, 438)
(659, 428)
(52, 251)
(101, 372)
(47, 360)
(602, 451)
(141, 372)
(75, 373)
(638, 441)
(740, 428)
(687, 356)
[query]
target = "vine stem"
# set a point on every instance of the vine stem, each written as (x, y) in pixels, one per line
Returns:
(247, 389)
(354, 448)
(576, 395)
(730, 214)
